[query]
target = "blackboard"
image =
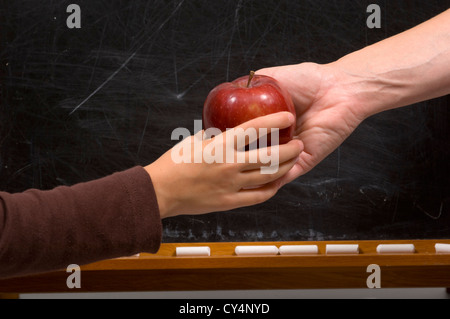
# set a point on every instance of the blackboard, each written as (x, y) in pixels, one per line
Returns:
(80, 103)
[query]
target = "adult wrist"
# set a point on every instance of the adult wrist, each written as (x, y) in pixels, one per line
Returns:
(365, 93)
(345, 90)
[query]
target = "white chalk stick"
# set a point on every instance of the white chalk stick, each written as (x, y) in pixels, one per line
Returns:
(299, 250)
(193, 251)
(396, 248)
(442, 248)
(256, 250)
(342, 249)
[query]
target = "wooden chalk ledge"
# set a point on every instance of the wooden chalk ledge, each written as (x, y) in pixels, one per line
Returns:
(223, 269)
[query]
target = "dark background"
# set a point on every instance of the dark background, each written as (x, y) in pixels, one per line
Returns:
(78, 104)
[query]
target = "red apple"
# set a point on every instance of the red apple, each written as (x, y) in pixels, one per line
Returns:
(233, 103)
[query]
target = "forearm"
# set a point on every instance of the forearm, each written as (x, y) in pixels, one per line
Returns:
(407, 68)
(115, 216)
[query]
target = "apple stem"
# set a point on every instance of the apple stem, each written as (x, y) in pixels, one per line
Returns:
(250, 78)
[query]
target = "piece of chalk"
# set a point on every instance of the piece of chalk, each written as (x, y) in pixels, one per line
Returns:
(299, 249)
(193, 251)
(256, 250)
(396, 248)
(442, 248)
(342, 249)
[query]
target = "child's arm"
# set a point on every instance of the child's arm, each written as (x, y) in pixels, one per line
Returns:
(120, 215)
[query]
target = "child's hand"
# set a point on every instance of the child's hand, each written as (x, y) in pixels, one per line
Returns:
(199, 188)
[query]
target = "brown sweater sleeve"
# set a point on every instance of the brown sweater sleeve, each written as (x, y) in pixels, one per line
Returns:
(111, 217)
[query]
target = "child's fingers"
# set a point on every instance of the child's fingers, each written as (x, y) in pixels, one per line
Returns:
(262, 126)
(255, 178)
(254, 159)
(279, 120)
(249, 197)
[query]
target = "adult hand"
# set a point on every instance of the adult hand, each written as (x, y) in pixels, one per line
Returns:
(333, 99)
(326, 113)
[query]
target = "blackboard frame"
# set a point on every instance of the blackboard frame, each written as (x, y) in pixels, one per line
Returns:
(223, 62)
